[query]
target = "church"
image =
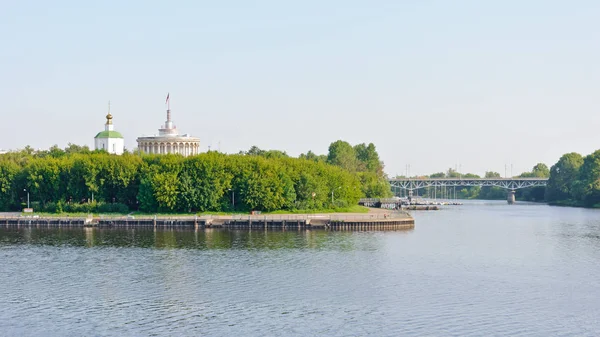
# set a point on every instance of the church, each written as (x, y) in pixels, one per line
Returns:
(109, 140)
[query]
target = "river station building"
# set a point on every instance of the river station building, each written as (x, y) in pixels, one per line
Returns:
(169, 140)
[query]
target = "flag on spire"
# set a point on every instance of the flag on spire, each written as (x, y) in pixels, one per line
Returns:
(167, 101)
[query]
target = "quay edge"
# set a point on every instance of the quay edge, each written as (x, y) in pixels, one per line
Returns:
(299, 221)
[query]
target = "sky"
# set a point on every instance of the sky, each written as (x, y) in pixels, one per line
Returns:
(474, 85)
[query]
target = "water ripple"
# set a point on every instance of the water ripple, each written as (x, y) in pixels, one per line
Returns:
(471, 271)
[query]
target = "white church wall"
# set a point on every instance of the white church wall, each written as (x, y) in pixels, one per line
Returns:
(110, 145)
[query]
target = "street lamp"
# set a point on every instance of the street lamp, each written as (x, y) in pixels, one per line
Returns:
(25, 190)
(232, 197)
(332, 194)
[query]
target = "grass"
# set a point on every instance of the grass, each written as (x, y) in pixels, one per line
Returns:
(351, 209)
(58, 215)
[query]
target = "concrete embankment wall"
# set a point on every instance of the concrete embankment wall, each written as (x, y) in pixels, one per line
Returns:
(373, 225)
(165, 223)
(246, 223)
(49, 222)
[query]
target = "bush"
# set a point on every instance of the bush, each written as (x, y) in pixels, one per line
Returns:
(50, 207)
(91, 207)
(80, 208)
(340, 204)
(113, 208)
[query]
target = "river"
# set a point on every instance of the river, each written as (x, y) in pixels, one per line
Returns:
(480, 269)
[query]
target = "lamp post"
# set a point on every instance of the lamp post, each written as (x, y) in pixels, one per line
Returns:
(232, 198)
(25, 190)
(332, 194)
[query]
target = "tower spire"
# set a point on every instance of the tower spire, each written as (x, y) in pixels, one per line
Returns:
(169, 123)
(168, 102)
(109, 116)
(109, 124)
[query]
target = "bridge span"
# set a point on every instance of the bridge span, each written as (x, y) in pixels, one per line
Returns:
(510, 184)
(507, 183)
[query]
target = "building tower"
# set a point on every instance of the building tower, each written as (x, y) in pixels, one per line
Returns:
(109, 140)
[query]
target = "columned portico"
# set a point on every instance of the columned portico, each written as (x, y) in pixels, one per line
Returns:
(169, 141)
(180, 146)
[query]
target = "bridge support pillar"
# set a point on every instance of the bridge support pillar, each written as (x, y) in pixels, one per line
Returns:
(511, 197)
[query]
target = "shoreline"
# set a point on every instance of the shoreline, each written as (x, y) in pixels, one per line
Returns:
(376, 219)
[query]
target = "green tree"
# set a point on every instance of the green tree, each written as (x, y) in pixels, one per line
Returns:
(540, 170)
(587, 188)
(491, 192)
(563, 176)
(264, 180)
(368, 158)
(311, 191)
(8, 171)
(314, 157)
(342, 154)
(373, 186)
(204, 181)
(451, 173)
(165, 186)
(72, 148)
(255, 151)
(42, 178)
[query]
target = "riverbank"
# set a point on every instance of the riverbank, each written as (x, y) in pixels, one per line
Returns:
(375, 219)
(351, 209)
(572, 203)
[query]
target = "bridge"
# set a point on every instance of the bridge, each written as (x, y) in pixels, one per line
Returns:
(510, 184)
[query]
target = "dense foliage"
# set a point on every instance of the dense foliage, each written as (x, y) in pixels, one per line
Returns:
(79, 180)
(361, 159)
(575, 180)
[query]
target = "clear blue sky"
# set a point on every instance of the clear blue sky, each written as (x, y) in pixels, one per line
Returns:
(433, 84)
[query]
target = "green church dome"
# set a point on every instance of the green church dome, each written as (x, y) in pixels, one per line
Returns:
(108, 134)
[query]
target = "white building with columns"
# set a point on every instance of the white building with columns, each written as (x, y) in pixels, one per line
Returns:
(169, 140)
(109, 140)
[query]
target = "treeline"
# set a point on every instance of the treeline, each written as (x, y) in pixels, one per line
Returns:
(77, 179)
(575, 180)
(361, 159)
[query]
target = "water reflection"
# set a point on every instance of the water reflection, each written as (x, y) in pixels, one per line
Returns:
(184, 238)
(481, 269)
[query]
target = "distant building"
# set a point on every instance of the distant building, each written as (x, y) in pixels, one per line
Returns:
(169, 140)
(109, 140)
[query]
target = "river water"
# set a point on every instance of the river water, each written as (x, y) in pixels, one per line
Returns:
(481, 269)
